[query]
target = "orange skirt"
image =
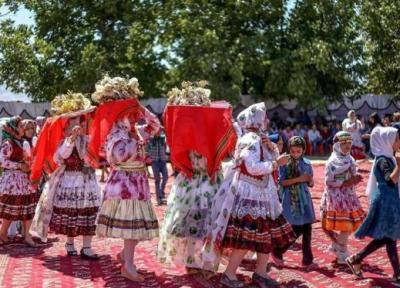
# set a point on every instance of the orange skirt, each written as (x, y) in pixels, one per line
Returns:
(342, 221)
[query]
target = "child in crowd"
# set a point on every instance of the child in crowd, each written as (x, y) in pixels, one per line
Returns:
(382, 223)
(295, 178)
(340, 208)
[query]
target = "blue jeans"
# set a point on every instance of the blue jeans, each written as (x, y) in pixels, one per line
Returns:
(160, 169)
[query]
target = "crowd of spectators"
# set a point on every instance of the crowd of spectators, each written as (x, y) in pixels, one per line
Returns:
(320, 130)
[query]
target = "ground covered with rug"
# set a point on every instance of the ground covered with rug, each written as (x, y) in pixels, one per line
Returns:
(50, 267)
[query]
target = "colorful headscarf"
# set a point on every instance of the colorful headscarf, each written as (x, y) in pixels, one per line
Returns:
(297, 141)
(10, 129)
(293, 171)
(253, 118)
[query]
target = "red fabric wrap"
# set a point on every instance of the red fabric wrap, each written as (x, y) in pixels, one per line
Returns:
(17, 154)
(49, 138)
(206, 130)
(105, 116)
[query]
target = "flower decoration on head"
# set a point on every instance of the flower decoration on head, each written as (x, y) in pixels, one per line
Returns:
(70, 102)
(342, 137)
(117, 88)
(190, 94)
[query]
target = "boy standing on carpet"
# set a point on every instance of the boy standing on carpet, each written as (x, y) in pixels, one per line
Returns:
(341, 210)
(295, 179)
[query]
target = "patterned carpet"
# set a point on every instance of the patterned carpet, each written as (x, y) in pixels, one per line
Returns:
(50, 267)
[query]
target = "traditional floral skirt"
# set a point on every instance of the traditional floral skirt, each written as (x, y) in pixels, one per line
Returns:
(17, 199)
(127, 219)
(186, 220)
(255, 223)
(341, 210)
(76, 203)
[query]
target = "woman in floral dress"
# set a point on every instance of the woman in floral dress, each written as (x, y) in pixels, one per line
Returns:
(189, 203)
(17, 197)
(72, 189)
(126, 212)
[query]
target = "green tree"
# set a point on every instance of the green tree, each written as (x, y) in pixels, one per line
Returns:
(381, 26)
(321, 58)
(73, 43)
(313, 53)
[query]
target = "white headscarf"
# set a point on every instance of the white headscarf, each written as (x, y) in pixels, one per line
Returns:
(382, 140)
(253, 117)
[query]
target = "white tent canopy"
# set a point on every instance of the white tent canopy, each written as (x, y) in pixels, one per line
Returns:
(363, 106)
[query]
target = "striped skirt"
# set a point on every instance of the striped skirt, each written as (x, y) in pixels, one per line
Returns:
(127, 219)
(17, 199)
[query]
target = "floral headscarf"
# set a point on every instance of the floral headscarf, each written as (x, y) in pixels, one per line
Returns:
(10, 129)
(339, 161)
(119, 131)
(253, 118)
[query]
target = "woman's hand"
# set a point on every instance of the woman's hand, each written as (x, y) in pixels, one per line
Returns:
(283, 159)
(76, 131)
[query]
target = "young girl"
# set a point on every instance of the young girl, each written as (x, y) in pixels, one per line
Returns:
(295, 178)
(340, 208)
(382, 223)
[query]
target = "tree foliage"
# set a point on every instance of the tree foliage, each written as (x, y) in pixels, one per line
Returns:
(314, 52)
(381, 24)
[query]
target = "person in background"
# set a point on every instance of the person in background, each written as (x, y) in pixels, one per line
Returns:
(326, 139)
(287, 134)
(40, 120)
(373, 121)
(396, 117)
(157, 150)
(299, 131)
(352, 125)
(315, 138)
(387, 120)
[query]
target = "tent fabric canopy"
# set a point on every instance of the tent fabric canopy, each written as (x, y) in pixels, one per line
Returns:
(367, 104)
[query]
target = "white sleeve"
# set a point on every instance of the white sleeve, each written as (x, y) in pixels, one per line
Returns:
(251, 158)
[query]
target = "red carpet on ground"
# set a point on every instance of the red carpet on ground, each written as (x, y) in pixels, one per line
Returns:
(50, 267)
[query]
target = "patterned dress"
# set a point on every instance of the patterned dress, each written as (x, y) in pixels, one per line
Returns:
(383, 219)
(127, 211)
(189, 207)
(297, 204)
(77, 194)
(17, 198)
(256, 222)
(341, 210)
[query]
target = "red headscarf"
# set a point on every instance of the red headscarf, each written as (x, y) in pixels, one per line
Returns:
(206, 130)
(103, 120)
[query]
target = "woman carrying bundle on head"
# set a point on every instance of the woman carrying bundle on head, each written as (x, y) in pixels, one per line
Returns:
(126, 212)
(71, 197)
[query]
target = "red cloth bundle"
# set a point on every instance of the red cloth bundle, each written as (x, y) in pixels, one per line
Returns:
(49, 138)
(207, 130)
(105, 116)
